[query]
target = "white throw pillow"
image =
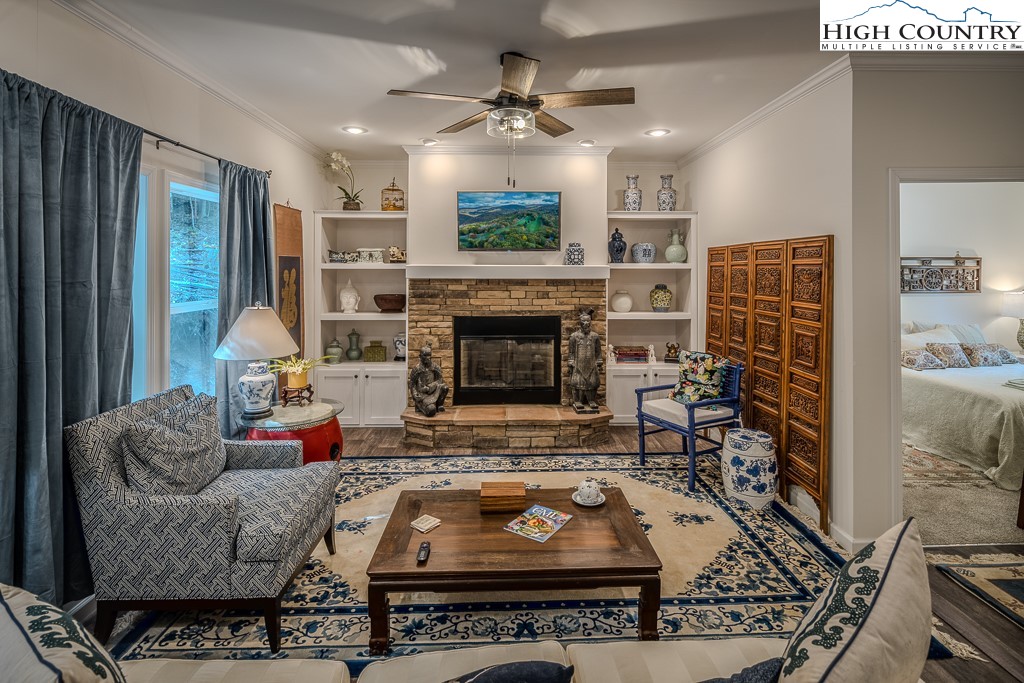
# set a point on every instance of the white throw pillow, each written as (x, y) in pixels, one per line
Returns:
(966, 333)
(906, 328)
(918, 326)
(873, 622)
(918, 340)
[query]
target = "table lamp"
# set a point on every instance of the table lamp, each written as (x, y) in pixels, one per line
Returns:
(1013, 307)
(257, 334)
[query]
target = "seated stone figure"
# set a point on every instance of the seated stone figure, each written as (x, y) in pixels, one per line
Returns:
(427, 386)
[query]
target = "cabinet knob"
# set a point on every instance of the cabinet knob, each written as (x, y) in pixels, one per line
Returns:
(355, 376)
(366, 376)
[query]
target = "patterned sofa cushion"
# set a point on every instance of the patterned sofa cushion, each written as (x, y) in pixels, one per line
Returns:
(442, 665)
(275, 506)
(873, 622)
(951, 355)
(40, 643)
(177, 451)
(700, 377)
(982, 355)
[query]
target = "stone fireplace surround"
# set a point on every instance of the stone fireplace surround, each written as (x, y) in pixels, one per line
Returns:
(433, 305)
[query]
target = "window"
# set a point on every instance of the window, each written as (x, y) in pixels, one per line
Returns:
(176, 286)
(194, 285)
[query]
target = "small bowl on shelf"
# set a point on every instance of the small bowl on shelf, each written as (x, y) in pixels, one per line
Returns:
(390, 303)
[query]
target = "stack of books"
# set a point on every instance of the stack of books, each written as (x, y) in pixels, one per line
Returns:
(630, 354)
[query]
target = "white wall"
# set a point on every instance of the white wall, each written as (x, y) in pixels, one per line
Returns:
(436, 174)
(964, 115)
(649, 182)
(790, 176)
(978, 219)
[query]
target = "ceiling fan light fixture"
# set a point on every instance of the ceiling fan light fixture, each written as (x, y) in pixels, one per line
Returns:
(657, 132)
(587, 143)
(511, 122)
(354, 130)
(428, 142)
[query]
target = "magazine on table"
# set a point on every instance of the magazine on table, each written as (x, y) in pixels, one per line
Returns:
(539, 523)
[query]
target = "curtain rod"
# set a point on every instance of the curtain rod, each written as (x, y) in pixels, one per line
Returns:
(164, 138)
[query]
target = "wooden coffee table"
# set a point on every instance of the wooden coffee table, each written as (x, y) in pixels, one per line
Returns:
(599, 547)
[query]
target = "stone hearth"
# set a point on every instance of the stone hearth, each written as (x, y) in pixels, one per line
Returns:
(511, 426)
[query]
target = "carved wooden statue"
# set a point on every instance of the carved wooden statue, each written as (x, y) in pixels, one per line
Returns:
(426, 385)
(586, 362)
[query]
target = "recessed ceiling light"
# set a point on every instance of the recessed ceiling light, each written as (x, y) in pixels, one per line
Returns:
(587, 143)
(428, 142)
(354, 130)
(657, 132)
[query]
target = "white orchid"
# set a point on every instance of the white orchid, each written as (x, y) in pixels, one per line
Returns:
(337, 162)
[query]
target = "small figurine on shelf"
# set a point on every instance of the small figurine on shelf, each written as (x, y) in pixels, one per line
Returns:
(651, 356)
(672, 355)
(396, 254)
(349, 298)
(611, 354)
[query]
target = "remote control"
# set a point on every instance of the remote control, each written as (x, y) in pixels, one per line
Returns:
(424, 552)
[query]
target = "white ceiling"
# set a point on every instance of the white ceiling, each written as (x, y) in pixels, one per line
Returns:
(698, 66)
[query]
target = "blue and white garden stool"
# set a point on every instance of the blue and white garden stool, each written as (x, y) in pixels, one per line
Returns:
(750, 471)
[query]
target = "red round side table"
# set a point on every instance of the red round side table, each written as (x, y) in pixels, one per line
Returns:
(314, 424)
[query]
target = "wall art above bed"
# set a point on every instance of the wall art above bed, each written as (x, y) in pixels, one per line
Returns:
(940, 274)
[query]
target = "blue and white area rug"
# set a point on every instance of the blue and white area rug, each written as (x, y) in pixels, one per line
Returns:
(728, 570)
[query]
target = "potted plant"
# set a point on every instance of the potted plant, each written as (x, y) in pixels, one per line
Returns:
(337, 162)
(296, 369)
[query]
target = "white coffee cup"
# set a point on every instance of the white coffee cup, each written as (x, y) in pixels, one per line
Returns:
(588, 492)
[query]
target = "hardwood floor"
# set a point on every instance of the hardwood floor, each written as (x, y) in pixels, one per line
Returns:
(387, 442)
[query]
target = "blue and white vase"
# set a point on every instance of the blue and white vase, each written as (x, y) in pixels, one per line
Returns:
(644, 252)
(750, 471)
(574, 254)
(632, 196)
(616, 247)
(256, 387)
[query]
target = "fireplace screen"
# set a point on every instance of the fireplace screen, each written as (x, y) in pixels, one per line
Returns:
(502, 359)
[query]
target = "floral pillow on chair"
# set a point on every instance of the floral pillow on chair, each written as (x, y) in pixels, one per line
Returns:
(700, 377)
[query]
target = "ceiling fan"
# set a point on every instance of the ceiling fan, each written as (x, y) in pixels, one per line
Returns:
(515, 111)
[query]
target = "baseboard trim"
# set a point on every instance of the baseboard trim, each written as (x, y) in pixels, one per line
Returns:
(847, 540)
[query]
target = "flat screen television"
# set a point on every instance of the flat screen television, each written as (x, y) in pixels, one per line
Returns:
(510, 221)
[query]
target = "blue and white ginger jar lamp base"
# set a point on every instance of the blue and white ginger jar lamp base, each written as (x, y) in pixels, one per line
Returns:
(257, 389)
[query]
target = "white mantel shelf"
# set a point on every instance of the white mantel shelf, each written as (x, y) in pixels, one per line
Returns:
(506, 272)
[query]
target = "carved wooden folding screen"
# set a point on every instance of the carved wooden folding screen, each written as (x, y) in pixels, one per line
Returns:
(770, 307)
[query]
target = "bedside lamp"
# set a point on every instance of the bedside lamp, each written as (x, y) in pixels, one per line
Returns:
(1013, 307)
(257, 334)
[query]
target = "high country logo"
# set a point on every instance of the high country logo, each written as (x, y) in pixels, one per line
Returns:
(922, 25)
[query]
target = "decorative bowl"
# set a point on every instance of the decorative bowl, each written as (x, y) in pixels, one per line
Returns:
(389, 303)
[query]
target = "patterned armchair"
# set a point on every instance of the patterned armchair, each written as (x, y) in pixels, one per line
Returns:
(237, 544)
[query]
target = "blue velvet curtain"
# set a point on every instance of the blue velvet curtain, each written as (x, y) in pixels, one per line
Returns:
(69, 178)
(246, 272)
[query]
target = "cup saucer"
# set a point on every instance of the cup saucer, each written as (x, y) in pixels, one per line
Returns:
(576, 499)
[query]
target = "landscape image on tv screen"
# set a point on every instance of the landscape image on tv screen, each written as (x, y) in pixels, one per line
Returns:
(509, 221)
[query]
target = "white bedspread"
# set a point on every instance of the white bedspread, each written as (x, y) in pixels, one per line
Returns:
(967, 415)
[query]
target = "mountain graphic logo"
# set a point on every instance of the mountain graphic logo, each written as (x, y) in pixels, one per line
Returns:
(902, 10)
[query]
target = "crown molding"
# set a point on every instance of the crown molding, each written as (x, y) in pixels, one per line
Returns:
(836, 69)
(643, 164)
(111, 25)
(414, 150)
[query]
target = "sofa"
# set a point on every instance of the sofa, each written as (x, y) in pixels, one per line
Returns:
(175, 518)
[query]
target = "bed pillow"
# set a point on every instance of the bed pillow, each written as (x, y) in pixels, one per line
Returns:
(918, 326)
(873, 622)
(919, 359)
(951, 354)
(906, 328)
(967, 333)
(982, 355)
(1006, 355)
(919, 340)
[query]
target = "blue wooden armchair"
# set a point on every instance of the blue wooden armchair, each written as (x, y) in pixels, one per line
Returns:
(666, 414)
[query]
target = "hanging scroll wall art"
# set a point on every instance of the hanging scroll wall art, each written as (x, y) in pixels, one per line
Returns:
(940, 274)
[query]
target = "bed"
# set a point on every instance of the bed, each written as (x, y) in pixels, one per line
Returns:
(967, 415)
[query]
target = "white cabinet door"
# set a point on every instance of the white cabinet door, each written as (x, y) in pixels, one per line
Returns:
(622, 383)
(659, 375)
(342, 383)
(384, 392)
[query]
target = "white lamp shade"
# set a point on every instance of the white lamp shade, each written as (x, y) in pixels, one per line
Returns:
(1013, 304)
(257, 333)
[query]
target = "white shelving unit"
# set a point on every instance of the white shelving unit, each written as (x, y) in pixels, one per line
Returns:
(642, 325)
(373, 393)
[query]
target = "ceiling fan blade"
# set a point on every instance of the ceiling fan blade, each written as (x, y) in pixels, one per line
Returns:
(517, 74)
(466, 123)
(440, 96)
(550, 125)
(586, 98)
